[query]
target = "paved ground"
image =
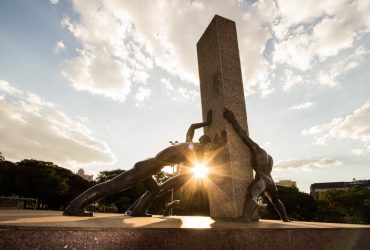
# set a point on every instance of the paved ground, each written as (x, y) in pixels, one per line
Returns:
(47, 219)
(29, 229)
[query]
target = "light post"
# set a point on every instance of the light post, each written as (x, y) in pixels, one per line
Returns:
(173, 172)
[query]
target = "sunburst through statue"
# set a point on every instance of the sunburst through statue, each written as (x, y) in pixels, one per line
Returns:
(200, 170)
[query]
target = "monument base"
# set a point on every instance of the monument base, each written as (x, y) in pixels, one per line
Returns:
(26, 229)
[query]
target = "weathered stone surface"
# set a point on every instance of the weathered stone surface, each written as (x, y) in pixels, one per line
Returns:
(221, 86)
(24, 229)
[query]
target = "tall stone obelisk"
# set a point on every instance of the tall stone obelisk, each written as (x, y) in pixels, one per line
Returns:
(221, 86)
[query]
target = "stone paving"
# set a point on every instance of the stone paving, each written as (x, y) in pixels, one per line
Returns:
(42, 218)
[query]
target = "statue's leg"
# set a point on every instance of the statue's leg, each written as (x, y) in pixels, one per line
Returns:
(152, 186)
(175, 184)
(119, 183)
(148, 198)
(133, 205)
(254, 190)
(272, 193)
(169, 206)
(142, 205)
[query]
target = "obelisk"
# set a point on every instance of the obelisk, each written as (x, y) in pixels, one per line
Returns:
(221, 86)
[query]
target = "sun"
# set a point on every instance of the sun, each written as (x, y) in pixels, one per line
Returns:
(200, 170)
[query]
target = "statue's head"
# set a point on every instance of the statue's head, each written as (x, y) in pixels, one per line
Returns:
(220, 141)
(217, 142)
(204, 139)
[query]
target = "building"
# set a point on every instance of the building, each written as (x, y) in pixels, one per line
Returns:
(81, 173)
(316, 188)
(287, 183)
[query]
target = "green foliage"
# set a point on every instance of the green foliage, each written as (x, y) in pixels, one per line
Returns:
(299, 206)
(107, 175)
(345, 206)
(350, 205)
(53, 186)
(161, 177)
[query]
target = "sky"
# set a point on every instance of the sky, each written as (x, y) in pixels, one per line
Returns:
(102, 84)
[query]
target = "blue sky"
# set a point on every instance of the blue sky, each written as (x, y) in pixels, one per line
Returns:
(104, 84)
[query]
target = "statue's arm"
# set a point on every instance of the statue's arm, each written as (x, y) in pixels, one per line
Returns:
(230, 117)
(193, 127)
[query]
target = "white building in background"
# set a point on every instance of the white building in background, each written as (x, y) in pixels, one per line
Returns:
(287, 183)
(81, 173)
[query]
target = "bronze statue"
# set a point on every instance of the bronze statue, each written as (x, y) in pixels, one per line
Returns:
(263, 182)
(143, 203)
(140, 206)
(143, 170)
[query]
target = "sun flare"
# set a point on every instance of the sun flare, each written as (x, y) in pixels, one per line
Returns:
(200, 170)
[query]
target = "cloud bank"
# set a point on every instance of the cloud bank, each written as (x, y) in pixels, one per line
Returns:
(33, 128)
(121, 42)
(307, 164)
(300, 106)
(355, 126)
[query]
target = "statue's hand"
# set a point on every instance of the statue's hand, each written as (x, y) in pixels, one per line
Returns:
(209, 117)
(228, 115)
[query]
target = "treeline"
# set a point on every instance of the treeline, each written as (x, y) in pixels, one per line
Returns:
(55, 187)
(349, 206)
(344, 206)
(299, 206)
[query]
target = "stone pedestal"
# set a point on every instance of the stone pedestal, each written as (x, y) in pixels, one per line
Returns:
(27, 229)
(221, 86)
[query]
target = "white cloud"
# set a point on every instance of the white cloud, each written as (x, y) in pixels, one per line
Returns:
(319, 31)
(330, 36)
(361, 151)
(291, 80)
(121, 41)
(59, 46)
(188, 93)
(167, 85)
(7, 88)
(307, 163)
(141, 95)
(301, 106)
(294, 52)
(111, 57)
(54, 1)
(308, 10)
(133, 35)
(355, 126)
(330, 76)
(99, 73)
(33, 128)
(266, 92)
(179, 93)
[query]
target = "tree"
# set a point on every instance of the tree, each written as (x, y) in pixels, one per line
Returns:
(162, 176)
(350, 205)
(299, 206)
(2, 158)
(52, 185)
(107, 175)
